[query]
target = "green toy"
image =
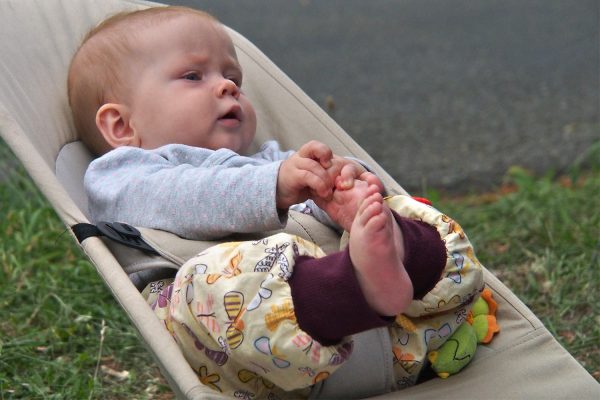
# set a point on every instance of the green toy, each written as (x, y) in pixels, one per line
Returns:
(460, 348)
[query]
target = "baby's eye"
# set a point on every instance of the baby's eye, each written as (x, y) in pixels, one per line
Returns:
(236, 80)
(192, 76)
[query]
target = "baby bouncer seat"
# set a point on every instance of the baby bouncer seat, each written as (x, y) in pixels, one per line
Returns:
(37, 41)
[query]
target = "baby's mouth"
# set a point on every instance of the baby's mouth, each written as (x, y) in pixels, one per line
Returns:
(233, 115)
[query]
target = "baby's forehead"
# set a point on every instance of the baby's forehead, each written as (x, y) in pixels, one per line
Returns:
(195, 29)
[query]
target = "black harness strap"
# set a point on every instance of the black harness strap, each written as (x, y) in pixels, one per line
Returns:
(83, 231)
(119, 232)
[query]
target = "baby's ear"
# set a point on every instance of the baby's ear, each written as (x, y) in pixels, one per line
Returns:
(113, 122)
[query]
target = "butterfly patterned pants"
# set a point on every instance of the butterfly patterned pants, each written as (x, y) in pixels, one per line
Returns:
(230, 309)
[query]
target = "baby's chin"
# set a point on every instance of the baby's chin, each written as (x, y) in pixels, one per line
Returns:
(244, 147)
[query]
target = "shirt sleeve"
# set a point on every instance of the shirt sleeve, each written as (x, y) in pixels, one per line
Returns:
(192, 192)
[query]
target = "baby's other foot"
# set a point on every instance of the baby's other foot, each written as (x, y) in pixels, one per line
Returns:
(377, 252)
(343, 205)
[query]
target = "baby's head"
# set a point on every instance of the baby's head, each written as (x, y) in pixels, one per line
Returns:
(159, 76)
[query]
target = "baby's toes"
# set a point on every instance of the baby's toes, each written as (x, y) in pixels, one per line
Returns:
(369, 210)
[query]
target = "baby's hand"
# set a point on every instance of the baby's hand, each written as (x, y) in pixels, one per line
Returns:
(304, 175)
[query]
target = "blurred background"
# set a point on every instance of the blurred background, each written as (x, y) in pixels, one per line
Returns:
(445, 94)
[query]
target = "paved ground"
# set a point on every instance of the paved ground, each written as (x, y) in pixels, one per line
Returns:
(444, 93)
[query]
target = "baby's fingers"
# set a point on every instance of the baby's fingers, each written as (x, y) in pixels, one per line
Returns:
(314, 177)
(317, 151)
(348, 174)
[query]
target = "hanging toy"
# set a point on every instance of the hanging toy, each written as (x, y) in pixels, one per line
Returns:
(460, 348)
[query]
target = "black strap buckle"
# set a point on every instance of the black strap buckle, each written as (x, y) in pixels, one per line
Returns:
(117, 231)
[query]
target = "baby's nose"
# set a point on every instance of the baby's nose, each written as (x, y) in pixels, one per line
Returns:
(228, 87)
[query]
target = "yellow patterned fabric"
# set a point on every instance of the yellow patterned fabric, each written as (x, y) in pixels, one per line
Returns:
(429, 322)
(230, 310)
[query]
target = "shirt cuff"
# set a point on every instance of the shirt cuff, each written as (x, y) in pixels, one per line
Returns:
(424, 254)
(328, 301)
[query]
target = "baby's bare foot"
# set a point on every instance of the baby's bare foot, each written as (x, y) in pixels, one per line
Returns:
(377, 252)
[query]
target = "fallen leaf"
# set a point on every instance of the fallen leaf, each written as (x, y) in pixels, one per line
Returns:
(119, 375)
(568, 336)
(501, 248)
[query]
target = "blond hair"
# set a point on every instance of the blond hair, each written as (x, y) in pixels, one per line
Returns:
(97, 68)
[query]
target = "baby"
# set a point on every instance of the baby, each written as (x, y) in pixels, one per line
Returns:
(157, 94)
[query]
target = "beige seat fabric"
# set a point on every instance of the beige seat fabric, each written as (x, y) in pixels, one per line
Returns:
(37, 40)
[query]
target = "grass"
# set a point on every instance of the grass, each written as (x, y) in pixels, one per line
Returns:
(541, 237)
(63, 336)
